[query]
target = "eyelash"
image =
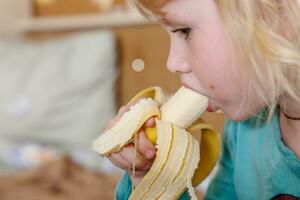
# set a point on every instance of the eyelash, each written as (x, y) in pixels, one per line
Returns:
(185, 31)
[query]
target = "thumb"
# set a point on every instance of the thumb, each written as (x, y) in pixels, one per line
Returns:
(145, 146)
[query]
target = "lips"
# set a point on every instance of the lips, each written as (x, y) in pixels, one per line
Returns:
(211, 107)
(187, 86)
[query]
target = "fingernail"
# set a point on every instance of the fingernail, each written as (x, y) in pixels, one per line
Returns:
(149, 153)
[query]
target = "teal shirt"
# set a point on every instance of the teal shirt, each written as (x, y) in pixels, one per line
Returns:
(255, 164)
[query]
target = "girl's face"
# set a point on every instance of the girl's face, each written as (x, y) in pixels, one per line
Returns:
(203, 55)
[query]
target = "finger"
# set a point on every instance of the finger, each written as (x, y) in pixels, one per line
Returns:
(120, 113)
(109, 125)
(145, 146)
(111, 122)
(150, 122)
(119, 161)
(137, 173)
(141, 163)
(123, 109)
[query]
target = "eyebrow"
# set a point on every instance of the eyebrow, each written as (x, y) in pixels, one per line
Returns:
(171, 20)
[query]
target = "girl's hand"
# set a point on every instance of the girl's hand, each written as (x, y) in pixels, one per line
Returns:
(145, 154)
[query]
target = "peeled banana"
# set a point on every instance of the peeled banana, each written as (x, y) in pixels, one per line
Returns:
(176, 166)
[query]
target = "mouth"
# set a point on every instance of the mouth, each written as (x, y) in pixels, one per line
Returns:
(189, 87)
(211, 107)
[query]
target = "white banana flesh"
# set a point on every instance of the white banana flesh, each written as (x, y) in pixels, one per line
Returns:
(184, 108)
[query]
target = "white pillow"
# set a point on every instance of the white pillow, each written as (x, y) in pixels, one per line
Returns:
(58, 92)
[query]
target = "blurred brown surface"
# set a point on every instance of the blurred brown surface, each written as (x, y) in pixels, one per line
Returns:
(58, 180)
(65, 7)
(120, 2)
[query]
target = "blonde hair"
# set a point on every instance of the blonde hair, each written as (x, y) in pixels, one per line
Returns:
(268, 31)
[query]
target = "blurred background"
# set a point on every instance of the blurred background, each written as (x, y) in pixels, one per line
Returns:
(66, 66)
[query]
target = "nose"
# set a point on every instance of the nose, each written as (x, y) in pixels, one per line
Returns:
(177, 61)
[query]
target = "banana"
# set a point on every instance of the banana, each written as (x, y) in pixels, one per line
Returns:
(176, 166)
(184, 107)
(170, 170)
(165, 140)
(121, 134)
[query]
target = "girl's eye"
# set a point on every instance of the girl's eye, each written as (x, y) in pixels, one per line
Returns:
(185, 31)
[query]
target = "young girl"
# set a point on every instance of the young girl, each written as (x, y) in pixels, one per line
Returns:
(245, 56)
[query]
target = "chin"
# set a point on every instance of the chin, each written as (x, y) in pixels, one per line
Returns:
(240, 113)
(237, 117)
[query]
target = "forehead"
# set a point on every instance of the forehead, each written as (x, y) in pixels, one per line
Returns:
(172, 11)
(180, 11)
(182, 8)
(172, 19)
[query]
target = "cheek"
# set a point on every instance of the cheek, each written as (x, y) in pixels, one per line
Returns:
(218, 67)
(210, 61)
